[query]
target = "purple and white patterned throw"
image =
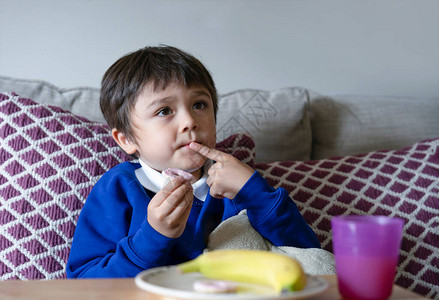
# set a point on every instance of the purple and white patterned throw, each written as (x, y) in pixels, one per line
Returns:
(402, 183)
(49, 161)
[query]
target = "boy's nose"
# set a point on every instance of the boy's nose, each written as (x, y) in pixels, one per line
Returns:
(188, 122)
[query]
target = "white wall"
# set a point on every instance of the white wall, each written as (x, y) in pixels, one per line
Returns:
(387, 47)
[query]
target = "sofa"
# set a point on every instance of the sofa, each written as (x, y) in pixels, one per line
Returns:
(334, 154)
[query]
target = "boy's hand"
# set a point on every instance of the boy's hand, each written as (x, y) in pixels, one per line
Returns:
(227, 176)
(169, 209)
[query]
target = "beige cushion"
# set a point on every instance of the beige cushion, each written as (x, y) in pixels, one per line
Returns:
(81, 101)
(347, 125)
(277, 120)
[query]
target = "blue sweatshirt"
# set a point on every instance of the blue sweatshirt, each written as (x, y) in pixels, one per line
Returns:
(114, 239)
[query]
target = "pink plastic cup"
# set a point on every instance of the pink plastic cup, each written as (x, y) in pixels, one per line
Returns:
(366, 250)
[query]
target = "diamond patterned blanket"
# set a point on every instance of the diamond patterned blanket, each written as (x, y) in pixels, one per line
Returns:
(49, 161)
(402, 183)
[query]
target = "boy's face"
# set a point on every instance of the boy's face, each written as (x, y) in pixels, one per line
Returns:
(165, 122)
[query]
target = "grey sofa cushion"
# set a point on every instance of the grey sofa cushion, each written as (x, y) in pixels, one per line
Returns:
(277, 120)
(347, 125)
(83, 101)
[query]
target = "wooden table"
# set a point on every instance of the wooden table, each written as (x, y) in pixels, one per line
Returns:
(125, 289)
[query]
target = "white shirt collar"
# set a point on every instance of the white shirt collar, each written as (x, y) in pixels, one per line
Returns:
(154, 180)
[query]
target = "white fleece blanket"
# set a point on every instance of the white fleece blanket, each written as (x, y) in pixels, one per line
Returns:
(237, 233)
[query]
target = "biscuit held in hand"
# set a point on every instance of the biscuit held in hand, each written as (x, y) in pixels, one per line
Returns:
(169, 209)
(227, 176)
(174, 172)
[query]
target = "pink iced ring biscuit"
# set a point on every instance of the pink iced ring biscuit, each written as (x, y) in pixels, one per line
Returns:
(215, 286)
(173, 172)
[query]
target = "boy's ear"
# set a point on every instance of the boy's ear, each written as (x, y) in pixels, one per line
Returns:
(127, 145)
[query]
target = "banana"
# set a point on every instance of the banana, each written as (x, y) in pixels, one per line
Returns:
(279, 271)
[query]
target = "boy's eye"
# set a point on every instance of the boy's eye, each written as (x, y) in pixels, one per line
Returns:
(200, 105)
(164, 111)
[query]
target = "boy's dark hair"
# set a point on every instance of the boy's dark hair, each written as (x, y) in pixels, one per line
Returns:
(159, 66)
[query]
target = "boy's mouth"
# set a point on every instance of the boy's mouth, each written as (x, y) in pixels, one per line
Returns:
(186, 145)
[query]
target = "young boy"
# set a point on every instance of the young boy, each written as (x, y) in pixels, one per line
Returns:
(161, 104)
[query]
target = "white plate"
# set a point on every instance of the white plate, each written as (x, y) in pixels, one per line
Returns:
(168, 281)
